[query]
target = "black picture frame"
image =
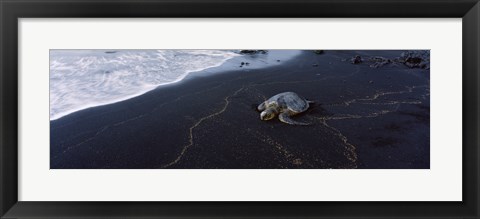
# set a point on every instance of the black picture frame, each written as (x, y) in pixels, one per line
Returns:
(12, 10)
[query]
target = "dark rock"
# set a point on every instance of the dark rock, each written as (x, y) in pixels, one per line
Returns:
(318, 52)
(356, 60)
(248, 51)
(252, 52)
(109, 52)
(416, 59)
(315, 65)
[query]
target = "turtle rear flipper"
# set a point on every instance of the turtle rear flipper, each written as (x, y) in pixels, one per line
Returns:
(284, 117)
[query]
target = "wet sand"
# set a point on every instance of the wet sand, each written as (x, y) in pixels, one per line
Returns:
(374, 118)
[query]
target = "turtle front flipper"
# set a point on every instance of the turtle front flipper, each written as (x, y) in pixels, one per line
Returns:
(285, 117)
(261, 107)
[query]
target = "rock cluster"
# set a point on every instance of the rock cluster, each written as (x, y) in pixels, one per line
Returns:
(244, 63)
(411, 59)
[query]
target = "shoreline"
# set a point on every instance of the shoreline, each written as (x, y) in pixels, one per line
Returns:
(230, 64)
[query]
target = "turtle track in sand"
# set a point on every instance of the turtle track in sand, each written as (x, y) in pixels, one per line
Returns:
(349, 148)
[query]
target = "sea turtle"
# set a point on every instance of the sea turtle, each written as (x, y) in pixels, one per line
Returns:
(284, 105)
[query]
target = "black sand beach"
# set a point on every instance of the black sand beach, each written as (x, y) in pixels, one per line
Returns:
(363, 117)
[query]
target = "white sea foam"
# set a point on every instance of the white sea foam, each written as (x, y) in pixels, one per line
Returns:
(80, 79)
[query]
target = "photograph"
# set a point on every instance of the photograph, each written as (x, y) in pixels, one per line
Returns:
(239, 109)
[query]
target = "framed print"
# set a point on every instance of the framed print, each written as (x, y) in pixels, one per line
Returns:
(239, 109)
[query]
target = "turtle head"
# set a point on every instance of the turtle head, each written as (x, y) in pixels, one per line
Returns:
(267, 114)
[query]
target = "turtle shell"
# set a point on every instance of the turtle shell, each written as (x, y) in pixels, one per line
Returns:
(291, 101)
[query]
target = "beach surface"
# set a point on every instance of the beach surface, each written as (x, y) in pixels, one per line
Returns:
(363, 117)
